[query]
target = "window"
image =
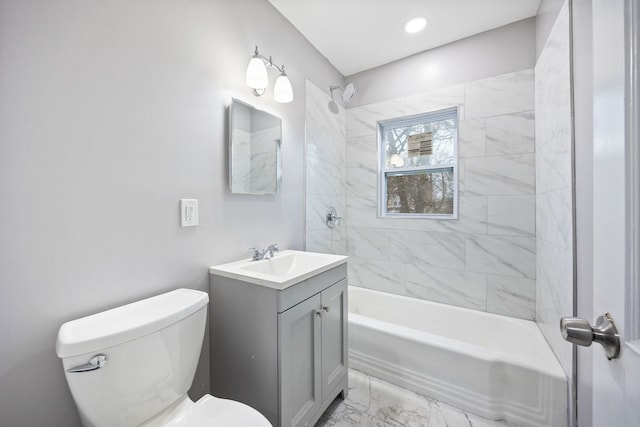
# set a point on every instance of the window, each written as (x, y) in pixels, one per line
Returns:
(418, 172)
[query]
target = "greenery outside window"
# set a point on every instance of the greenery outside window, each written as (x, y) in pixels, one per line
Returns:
(418, 172)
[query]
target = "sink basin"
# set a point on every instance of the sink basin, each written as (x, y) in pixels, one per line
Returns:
(276, 266)
(284, 269)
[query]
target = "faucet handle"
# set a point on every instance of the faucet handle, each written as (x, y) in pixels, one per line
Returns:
(273, 248)
(257, 253)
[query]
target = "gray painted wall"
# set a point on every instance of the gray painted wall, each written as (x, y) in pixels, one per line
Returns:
(499, 51)
(110, 113)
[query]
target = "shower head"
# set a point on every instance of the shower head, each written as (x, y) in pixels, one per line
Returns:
(347, 92)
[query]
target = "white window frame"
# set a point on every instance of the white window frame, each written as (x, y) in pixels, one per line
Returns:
(383, 171)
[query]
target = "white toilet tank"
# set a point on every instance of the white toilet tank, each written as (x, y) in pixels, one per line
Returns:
(152, 349)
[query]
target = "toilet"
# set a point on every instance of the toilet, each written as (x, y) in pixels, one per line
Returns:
(133, 365)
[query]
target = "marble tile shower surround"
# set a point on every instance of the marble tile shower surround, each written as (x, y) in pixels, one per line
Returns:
(485, 260)
(325, 178)
(254, 162)
(263, 159)
(373, 402)
(554, 238)
(241, 177)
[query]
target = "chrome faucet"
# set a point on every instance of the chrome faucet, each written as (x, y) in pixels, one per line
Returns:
(264, 254)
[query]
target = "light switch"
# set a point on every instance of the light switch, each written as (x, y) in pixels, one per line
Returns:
(188, 212)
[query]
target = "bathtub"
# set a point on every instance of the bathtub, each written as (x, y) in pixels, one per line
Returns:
(494, 366)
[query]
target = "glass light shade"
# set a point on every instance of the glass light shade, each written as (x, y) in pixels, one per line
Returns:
(257, 77)
(282, 91)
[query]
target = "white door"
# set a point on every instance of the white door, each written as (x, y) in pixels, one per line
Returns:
(616, 383)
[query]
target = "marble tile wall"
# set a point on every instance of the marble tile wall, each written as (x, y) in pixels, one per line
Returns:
(554, 238)
(485, 260)
(264, 159)
(325, 170)
(241, 177)
(254, 160)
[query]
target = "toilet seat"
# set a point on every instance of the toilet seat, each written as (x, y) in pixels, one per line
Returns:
(210, 411)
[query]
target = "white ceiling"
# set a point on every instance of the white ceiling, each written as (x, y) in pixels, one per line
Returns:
(356, 35)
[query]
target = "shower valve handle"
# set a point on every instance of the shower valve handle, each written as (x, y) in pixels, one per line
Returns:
(579, 331)
(332, 218)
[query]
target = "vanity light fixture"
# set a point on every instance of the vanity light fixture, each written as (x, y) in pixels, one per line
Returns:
(258, 80)
(415, 25)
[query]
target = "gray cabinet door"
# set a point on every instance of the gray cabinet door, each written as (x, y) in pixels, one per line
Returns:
(334, 336)
(299, 335)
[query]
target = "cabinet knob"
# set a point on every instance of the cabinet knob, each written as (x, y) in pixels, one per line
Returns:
(319, 313)
(325, 308)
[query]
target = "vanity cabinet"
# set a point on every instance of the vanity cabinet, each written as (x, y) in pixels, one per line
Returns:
(281, 351)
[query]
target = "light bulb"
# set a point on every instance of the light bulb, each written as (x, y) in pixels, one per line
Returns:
(415, 25)
(257, 77)
(282, 91)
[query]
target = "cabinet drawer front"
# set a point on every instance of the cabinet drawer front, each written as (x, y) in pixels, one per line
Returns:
(292, 295)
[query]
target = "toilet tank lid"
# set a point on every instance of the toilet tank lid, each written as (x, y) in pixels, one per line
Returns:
(121, 324)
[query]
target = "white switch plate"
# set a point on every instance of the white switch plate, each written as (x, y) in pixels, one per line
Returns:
(188, 212)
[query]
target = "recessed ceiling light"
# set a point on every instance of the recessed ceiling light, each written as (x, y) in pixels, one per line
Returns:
(415, 25)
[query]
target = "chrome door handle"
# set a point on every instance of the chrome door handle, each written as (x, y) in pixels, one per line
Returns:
(579, 331)
(96, 362)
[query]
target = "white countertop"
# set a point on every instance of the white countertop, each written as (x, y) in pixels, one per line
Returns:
(286, 268)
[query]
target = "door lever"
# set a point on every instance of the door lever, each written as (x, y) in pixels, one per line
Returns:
(579, 331)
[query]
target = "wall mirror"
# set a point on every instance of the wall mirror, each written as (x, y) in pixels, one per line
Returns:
(255, 165)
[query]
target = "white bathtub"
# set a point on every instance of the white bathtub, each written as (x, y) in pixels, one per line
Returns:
(491, 365)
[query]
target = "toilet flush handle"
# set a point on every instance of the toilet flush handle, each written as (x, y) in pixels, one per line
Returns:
(96, 362)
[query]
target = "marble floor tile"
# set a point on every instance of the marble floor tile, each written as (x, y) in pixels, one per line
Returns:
(375, 403)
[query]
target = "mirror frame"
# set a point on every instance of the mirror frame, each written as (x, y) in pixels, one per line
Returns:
(278, 174)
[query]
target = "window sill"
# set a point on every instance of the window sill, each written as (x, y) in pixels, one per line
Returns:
(419, 216)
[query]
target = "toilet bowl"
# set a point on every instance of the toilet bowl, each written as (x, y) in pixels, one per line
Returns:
(133, 365)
